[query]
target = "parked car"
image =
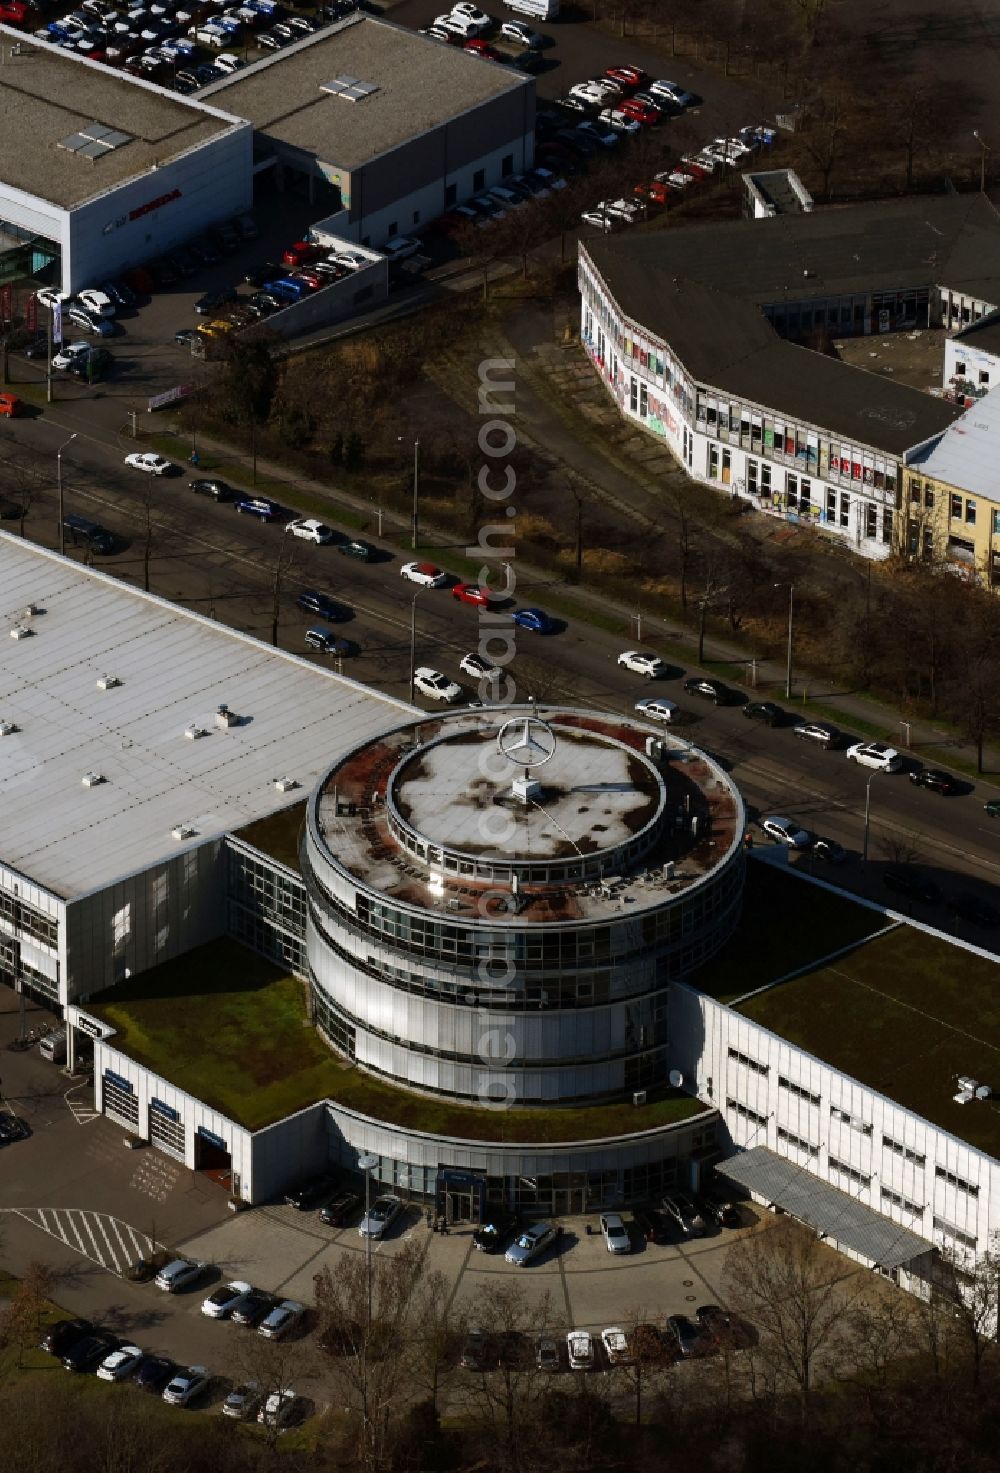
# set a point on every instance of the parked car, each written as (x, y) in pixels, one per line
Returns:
(992, 808)
(785, 831)
(684, 1214)
(580, 1349)
(218, 490)
(521, 35)
(186, 1385)
(96, 302)
(252, 1308)
(475, 1351)
(426, 574)
(435, 686)
(211, 302)
(547, 1357)
(876, 755)
(708, 689)
(282, 1318)
(672, 93)
(86, 1353)
(182, 1273)
(966, 906)
(616, 1346)
(651, 666)
(820, 733)
(242, 1402)
(828, 850)
(651, 1224)
(616, 1235)
(380, 1216)
(495, 1229)
(222, 1301)
(154, 1373)
(718, 1209)
(260, 506)
(339, 1212)
(313, 1191)
(64, 1333)
(121, 1364)
(689, 1337)
(532, 1242)
(722, 1328)
(279, 1409)
(934, 779)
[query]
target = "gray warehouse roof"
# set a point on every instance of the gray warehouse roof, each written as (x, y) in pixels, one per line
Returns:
(419, 84)
(48, 95)
(175, 670)
(968, 453)
(837, 1215)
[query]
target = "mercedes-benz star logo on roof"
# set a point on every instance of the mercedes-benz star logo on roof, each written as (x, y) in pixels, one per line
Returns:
(527, 741)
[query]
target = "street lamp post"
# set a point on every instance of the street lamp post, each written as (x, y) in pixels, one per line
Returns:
(59, 486)
(367, 1163)
(413, 638)
(868, 811)
(788, 651)
(415, 523)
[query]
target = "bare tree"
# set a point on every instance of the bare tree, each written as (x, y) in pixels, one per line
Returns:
(796, 1291)
(969, 1287)
(282, 566)
(271, 1367)
(505, 1393)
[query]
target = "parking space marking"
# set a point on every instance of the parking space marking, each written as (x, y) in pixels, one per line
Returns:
(81, 1111)
(63, 1222)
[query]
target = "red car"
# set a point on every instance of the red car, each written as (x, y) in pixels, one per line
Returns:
(299, 253)
(629, 76)
(640, 111)
(483, 49)
(654, 194)
(311, 278)
(471, 593)
(13, 13)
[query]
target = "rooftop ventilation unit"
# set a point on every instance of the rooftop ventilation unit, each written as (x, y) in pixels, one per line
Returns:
(350, 88)
(94, 141)
(193, 732)
(183, 831)
(965, 1081)
(226, 718)
(984, 1092)
(93, 779)
(963, 1097)
(108, 682)
(20, 631)
(668, 869)
(30, 611)
(7, 728)
(286, 784)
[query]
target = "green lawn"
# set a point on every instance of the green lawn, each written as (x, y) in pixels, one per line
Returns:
(231, 1029)
(278, 834)
(787, 923)
(905, 1013)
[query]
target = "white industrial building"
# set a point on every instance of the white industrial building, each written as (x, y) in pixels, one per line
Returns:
(104, 170)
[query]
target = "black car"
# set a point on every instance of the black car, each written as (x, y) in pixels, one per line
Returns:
(261, 304)
(968, 907)
(120, 294)
(720, 1210)
(690, 1338)
(162, 272)
(37, 348)
(477, 1352)
(96, 365)
(218, 490)
(320, 603)
(85, 1354)
(358, 548)
(911, 884)
(721, 1328)
(312, 1192)
(212, 301)
(651, 1224)
(935, 779)
(205, 249)
(184, 336)
(154, 1373)
(270, 271)
(64, 1334)
(496, 1229)
(255, 1307)
(828, 850)
(12, 1128)
(340, 1211)
(182, 263)
(765, 711)
(708, 689)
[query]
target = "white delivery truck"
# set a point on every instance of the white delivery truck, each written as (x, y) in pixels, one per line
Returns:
(537, 9)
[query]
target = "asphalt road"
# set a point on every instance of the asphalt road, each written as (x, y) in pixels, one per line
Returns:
(214, 561)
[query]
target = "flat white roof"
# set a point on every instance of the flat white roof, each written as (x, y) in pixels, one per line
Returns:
(176, 668)
(966, 454)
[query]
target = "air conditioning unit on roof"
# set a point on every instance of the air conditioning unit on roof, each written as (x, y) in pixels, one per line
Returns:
(93, 779)
(20, 631)
(193, 732)
(286, 784)
(183, 831)
(107, 682)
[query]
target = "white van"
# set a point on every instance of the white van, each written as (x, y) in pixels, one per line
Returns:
(655, 708)
(539, 9)
(53, 1046)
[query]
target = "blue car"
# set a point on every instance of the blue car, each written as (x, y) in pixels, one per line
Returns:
(259, 506)
(533, 619)
(322, 604)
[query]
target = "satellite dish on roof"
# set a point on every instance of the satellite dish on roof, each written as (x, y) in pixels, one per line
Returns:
(676, 1078)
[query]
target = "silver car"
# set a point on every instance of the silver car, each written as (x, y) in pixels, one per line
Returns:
(179, 1274)
(281, 1319)
(529, 1244)
(382, 1212)
(615, 1232)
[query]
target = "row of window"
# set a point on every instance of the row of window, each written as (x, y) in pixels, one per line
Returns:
(745, 1111)
(896, 1199)
(959, 1182)
(27, 920)
(797, 1089)
(948, 1230)
(851, 1172)
(846, 1118)
(790, 1139)
(916, 1158)
(747, 1061)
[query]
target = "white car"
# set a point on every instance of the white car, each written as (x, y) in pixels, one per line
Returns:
(454, 25)
(179, 1274)
(279, 1409)
(707, 162)
(785, 831)
(615, 1343)
(222, 1301)
(477, 668)
(281, 1319)
(70, 354)
(655, 708)
(47, 295)
(145, 460)
(729, 148)
(616, 1238)
(435, 686)
(620, 122)
(521, 35)
(600, 219)
(401, 247)
(426, 574)
(590, 92)
(186, 1385)
(228, 62)
(310, 530)
(120, 1364)
(469, 11)
(380, 1215)
(671, 92)
(548, 178)
(99, 303)
(353, 260)
(624, 209)
(580, 1347)
(649, 665)
(875, 754)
